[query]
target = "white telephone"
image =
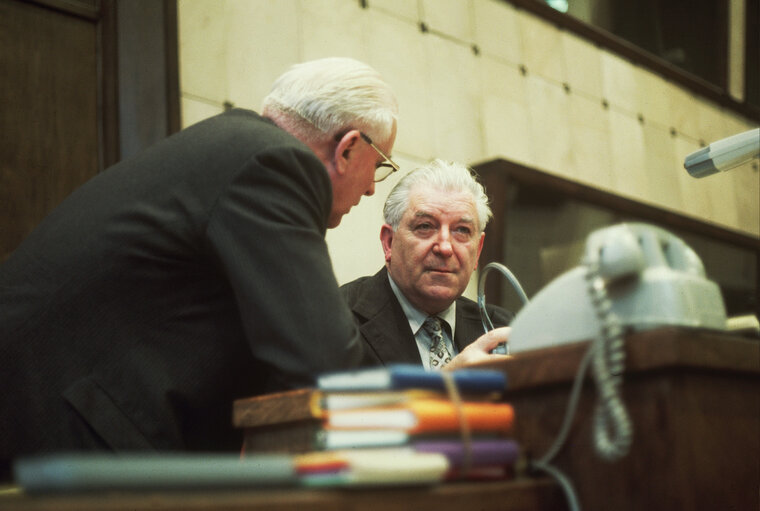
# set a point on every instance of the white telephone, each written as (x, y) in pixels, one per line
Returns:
(632, 277)
(651, 277)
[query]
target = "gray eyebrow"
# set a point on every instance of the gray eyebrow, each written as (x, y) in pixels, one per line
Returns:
(464, 219)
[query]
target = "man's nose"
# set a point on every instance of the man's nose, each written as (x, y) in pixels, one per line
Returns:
(443, 244)
(371, 190)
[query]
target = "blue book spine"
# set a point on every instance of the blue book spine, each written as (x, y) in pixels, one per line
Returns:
(409, 376)
(467, 380)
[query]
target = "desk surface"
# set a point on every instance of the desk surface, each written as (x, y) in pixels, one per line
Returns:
(656, 350)
(517, 495)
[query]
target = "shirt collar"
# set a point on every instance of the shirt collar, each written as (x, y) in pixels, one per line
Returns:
(416, 317)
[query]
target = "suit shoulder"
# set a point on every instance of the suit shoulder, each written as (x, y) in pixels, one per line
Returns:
(499, 315)
(351, 290)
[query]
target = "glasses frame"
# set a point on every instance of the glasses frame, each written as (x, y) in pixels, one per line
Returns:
(388, 163)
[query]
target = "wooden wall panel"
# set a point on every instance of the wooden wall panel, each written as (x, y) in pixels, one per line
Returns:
(49, 117)
(78, 79)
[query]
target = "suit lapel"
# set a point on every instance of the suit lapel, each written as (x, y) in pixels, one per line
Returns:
(384, 326)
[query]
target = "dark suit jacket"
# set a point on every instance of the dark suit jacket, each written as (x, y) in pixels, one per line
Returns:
(384, 325)
(168, 286)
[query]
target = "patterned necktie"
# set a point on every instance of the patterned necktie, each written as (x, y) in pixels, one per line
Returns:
(439, 354)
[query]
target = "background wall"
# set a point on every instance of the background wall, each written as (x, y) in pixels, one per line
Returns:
(475, 79)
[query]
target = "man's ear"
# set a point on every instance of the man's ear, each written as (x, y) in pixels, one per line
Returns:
(343, 150)
(386, 238)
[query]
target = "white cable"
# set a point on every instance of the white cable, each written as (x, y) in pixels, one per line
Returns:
(484, 318)
(564, 482)
(612, 428)
(543, 463)
(572, 405)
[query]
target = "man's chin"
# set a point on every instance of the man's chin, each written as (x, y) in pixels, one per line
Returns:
(442, 298)
(335, 217)
(334, 220)
(441, 282)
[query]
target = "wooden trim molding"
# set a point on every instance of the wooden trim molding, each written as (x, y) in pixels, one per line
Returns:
(87, 9)
(171, 56)
(108, 85)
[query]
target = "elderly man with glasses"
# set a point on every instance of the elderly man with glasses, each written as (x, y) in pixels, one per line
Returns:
(193, 274)
(413, 310)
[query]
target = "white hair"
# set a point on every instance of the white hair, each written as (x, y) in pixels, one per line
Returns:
(437, 175)
(332, 95)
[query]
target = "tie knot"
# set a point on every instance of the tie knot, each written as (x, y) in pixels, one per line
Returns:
(432, 325)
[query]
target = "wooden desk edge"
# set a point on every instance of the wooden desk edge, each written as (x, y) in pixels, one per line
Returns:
(521, 494)
(645, 351)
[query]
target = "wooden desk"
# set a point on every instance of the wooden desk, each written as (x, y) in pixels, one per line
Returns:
(519, 495)
(694, 400)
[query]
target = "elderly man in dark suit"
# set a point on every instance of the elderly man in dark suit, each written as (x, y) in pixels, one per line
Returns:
(413, 310)
(193, 274)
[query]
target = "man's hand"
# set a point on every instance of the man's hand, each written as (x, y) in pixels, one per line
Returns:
(479, 350)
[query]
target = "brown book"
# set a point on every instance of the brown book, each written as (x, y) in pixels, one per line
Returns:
(293, 421)
(277, 408)
(280, 422)
(312, 404)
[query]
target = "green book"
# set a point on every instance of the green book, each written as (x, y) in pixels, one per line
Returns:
(94, 472)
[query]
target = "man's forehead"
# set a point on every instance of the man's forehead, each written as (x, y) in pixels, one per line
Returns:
(430, 202)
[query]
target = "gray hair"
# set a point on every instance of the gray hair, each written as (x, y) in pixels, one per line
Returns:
(332, 95)
(439, 175)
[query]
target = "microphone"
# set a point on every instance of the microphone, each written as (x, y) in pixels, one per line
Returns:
(724, 154)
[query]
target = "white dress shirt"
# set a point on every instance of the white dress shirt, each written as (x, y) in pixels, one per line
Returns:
(416, 319)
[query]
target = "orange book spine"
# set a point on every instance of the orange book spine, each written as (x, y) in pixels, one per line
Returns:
(440, 415)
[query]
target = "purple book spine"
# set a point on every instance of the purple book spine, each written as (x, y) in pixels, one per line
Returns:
(484, 452)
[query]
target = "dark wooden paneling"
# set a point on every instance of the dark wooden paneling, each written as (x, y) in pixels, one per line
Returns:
(146, 64)
(88, 9)
(73, 92)
(49, 118)
(501, 177)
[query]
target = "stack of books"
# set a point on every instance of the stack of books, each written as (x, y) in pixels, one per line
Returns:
(396, 424)
(405, 406)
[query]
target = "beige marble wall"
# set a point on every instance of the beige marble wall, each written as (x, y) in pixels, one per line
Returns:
(531, 93)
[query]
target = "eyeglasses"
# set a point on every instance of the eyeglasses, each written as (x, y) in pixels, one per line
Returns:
(383, 169)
